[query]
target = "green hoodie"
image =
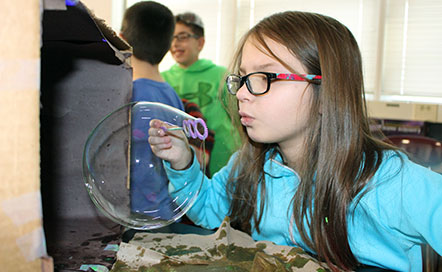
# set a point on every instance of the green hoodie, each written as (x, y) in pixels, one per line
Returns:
(200, 83)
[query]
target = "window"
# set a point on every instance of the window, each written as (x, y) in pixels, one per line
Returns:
(412, 60)
(400, 40)
(218, 18)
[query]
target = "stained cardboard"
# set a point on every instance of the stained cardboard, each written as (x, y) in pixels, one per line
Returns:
(85, 75)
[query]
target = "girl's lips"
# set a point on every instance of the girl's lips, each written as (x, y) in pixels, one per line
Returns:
(246, 120)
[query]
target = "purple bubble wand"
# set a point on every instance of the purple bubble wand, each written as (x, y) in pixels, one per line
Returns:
(190, 128)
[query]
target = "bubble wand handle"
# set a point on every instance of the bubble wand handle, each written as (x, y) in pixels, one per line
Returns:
(171, 128)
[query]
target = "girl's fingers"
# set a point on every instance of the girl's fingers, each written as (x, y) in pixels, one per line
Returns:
(160, 147)
(156, 137)
(156, 132)
(155, 123)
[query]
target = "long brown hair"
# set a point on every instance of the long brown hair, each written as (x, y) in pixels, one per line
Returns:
(340, 154)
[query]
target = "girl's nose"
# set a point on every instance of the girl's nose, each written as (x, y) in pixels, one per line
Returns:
(243, 93)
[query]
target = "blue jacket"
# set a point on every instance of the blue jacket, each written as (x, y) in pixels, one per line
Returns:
(391, 221)
(148, 189)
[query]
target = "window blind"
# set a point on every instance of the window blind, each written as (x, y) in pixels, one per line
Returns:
(361, 17)
(400, 40)
(413, 48)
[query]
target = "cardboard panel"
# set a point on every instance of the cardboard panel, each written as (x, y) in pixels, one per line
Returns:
(22, 238)
(84, 77)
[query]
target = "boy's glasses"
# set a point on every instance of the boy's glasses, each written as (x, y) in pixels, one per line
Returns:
(259, 82)
(184, 36)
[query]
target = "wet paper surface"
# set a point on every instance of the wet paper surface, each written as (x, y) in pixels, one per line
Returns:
(225, 250)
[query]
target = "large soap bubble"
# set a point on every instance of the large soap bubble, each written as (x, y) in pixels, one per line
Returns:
(125, 180)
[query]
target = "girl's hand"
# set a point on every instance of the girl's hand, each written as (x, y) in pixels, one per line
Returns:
(171, 146)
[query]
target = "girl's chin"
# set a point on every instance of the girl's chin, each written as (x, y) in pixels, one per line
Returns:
(256, 137)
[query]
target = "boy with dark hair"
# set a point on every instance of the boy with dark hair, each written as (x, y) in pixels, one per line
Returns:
(148, 27)
(199, 81)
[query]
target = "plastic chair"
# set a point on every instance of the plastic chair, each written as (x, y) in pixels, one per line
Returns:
(427, 152)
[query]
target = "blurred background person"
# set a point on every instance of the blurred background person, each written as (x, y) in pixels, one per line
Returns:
(199, 81)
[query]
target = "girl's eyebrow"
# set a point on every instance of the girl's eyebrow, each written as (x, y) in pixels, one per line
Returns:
(264, 66)
(259, 68)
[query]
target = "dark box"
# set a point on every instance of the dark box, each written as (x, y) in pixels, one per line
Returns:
(84, 77)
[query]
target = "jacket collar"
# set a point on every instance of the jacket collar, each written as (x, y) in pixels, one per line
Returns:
(275, 167)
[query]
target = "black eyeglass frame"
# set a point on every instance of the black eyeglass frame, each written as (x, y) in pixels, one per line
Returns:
(315, 79)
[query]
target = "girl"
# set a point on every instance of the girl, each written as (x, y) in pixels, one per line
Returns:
(309, 172)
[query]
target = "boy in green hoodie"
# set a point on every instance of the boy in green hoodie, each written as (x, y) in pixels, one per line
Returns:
(199, 81)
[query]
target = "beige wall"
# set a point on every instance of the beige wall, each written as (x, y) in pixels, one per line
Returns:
(101, 8)
(21, 232)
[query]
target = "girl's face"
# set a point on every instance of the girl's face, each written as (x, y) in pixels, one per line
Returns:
(185, 51)
(279, 116)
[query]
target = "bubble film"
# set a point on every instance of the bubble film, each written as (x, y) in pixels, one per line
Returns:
(124, 179)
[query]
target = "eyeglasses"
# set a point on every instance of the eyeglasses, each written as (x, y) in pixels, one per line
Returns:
(184, 36)
(259, 82)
